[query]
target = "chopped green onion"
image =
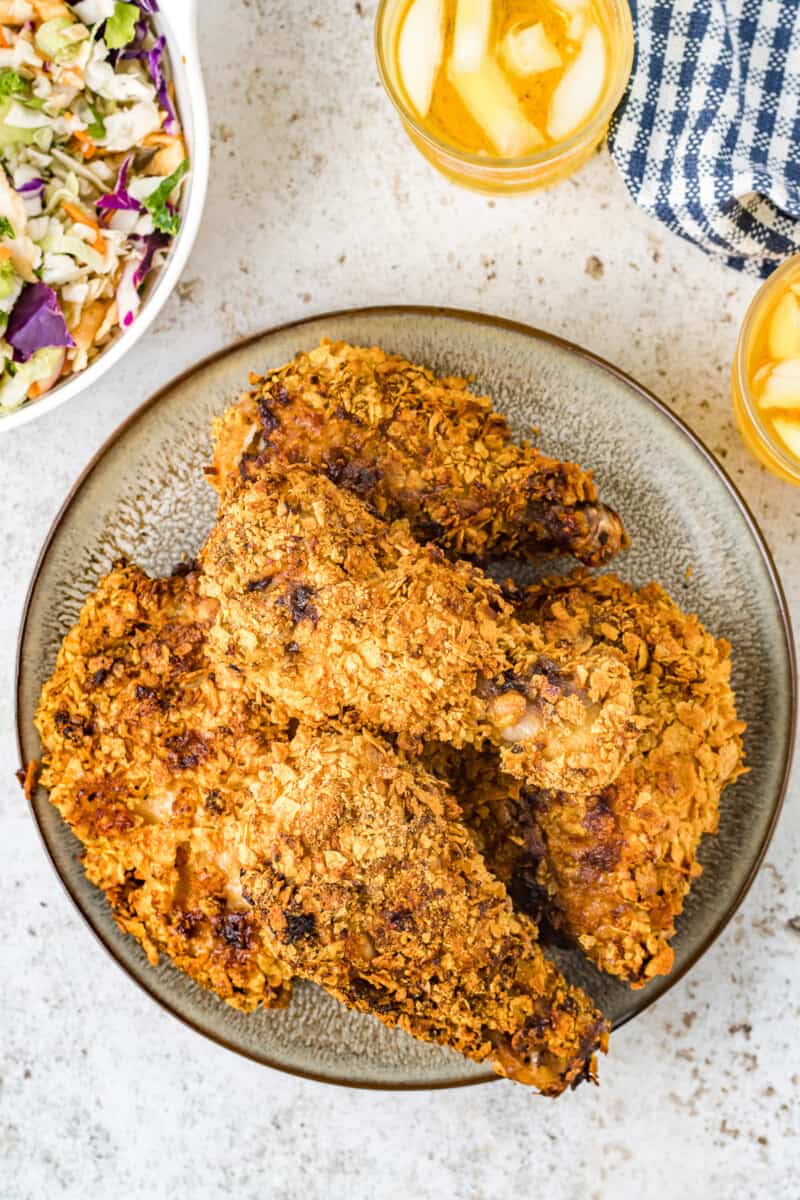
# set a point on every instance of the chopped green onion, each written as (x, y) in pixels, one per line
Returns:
(156, 202)
(11, 83)
(6, 228)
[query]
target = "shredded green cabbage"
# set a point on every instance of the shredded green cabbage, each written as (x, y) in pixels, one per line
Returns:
(121, 28)
(82, 252)
(11, 135)
(50, 37)
(7, 280)
(14, 388)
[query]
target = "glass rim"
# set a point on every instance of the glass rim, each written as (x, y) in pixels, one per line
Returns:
(619, 8)
(771, 284)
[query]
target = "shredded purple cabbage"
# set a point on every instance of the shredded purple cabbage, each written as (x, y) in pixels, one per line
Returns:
(148, 6)
(153, 242)
(124, 172)
(154, 61)
(134, 48)
(120, 200)
(155, 65)
(31, 188)
(135, 273)
(36, 322)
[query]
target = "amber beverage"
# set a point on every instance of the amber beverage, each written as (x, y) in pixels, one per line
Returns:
(505, 95)
(766, 374)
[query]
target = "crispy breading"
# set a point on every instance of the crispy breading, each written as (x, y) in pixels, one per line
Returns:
(334, 614)
(613, 870)
(417, 447)
(147, 758)
(370, 886)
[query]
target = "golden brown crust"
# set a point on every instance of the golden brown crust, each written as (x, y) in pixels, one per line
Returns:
(336, 615)
(370, 886)
(612, 870)
(147, 757)
(421, 448)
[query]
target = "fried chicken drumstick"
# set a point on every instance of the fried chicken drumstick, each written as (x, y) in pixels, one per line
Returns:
(370, 886)
(612, 870)
(148, 760)
(330, 614)
(421, 448)
(153, 757)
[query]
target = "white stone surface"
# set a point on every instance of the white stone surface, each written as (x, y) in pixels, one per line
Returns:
(317, 202)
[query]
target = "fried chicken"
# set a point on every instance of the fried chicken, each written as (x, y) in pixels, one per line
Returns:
(148, 759)
(153, 755)
(612, 870)
(370, 886)
(421, 448)
(333, 614)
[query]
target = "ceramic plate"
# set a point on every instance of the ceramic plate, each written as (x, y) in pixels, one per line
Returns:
(144, 497)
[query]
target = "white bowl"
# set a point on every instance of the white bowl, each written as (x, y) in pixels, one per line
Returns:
(178, 21)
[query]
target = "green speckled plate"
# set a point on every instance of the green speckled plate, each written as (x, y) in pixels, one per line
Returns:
(143, 496)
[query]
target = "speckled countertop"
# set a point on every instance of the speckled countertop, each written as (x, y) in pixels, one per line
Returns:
(317, 202)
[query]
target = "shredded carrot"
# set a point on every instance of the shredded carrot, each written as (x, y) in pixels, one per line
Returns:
(3, 40)
(5, 254)
(88, 148)
(83, 218)
(35, 391)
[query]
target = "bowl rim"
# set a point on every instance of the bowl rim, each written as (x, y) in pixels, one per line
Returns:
(662, 984)
(187, 72)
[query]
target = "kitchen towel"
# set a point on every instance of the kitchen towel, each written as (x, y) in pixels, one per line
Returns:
(707, 136)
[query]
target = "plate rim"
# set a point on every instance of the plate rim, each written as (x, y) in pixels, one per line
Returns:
(529, 331)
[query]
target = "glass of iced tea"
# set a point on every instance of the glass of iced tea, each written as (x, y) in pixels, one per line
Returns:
(766, 373)
(505, 95)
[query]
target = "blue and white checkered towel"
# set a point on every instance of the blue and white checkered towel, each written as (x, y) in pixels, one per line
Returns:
(708, 135)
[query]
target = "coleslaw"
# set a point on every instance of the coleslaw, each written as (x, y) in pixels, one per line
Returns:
(92, 166)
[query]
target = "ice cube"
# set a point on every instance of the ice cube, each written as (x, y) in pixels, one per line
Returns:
(579, 88)
(421, 50)
(784, 328)
(493, 105)
(527, 50)
(471, 35)
(577, 25)
(761, 376)
(789, 433)
(782, 385)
